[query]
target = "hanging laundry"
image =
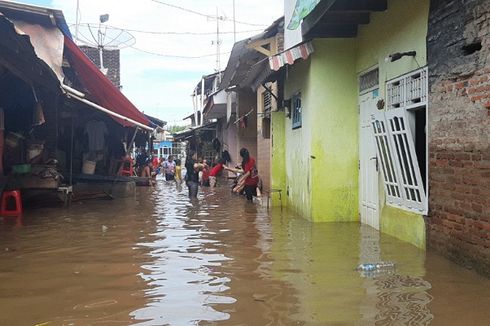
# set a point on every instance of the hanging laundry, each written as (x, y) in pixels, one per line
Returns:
(243, 122)
(96, 131)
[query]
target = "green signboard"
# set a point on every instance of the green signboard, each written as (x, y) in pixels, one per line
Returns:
(301, 10)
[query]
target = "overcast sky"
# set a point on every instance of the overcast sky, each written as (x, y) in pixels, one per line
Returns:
(159, 85)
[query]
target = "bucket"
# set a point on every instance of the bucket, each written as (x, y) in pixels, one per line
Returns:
(88, 167)
(21, 169)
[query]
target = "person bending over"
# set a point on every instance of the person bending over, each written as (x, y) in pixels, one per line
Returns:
(250, 178)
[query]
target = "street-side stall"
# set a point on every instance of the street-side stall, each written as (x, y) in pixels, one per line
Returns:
(201, 140)
(58, 140)
(106, 126)
(29, 100)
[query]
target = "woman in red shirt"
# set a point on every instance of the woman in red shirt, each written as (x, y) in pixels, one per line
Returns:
(250, 178)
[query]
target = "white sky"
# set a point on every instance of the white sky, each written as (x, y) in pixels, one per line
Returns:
(161, 86)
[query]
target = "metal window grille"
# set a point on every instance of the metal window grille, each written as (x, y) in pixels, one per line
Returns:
(368, 81)
(417, 91)
(410, 90)
(395, 94)
(392, 188)
(297, 111)
(396, 150)
(267, 98)
(410, 178)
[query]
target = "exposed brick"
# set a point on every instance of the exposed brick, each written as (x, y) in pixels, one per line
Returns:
(458, 225)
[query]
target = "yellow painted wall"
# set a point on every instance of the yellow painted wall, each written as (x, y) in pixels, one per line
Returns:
(403, 27)
(321, 156)
(325, 188)
(335, 137)
(278, 165)
(298, 141)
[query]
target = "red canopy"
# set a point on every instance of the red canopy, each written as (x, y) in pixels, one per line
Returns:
(100, 87)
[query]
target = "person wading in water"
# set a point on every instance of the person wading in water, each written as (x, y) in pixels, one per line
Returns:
(250, 178)
(192, 174)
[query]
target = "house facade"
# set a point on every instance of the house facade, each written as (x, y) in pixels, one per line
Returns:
(252, 85)
(385, 120)
(327, 159)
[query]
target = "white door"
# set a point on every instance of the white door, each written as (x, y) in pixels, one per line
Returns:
(368, 165)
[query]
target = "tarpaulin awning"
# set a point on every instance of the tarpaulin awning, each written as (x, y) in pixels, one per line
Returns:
(73, 93)
(101, 89)
(18, 55)
(301, 51)
(47, 43)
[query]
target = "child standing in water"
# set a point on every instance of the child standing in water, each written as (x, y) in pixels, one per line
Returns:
(178, 171)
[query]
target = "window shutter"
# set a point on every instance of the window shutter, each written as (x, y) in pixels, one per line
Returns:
(404, 155)
(385, 155)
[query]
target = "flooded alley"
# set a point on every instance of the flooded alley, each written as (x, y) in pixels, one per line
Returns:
(162, 260)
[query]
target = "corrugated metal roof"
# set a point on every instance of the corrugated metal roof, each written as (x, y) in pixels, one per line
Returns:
(35, 14)
(244, 65)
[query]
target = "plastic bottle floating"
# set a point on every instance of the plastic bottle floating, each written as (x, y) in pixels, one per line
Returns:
(376, 267)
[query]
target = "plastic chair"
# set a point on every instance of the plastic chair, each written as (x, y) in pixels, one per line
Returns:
(7, 209)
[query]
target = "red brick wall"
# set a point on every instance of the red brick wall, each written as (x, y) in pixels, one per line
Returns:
(459, 121)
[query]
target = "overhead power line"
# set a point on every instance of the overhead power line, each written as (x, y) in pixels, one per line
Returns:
(185, 33)
(205, 15)
(176, 56)
(171, 32)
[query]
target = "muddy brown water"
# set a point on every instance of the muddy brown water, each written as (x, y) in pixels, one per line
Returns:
(161, 260)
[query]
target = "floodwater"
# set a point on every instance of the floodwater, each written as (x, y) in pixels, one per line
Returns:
(162, 260)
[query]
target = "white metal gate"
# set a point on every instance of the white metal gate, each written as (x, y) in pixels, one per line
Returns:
(368, 162)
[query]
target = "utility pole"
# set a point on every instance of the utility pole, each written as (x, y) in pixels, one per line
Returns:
(218, 43)
(234, 23)
(77, 20)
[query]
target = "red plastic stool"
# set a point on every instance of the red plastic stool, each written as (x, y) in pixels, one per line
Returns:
(127, 168)
(8, 210)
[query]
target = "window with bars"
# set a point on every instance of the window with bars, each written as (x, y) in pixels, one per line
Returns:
(296, 111)
(395, 141)
(368, 81)
(267, 99)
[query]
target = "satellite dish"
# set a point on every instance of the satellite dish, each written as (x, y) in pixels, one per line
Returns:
(103, 36)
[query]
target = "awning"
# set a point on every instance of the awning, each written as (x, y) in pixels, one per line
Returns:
(186, 134)
(101, 88)
(72, 93)
(18, 55)
(216, 104)
(301, 51)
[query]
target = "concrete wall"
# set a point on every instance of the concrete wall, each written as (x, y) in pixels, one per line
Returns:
(459, 119)
(247, 137)
(298, 141)
(228, 135)
(264, 153)
(278, 156)
(334, 122)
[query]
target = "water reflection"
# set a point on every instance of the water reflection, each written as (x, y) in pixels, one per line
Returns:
(181, 273)
(160, 259)
(392, 298)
